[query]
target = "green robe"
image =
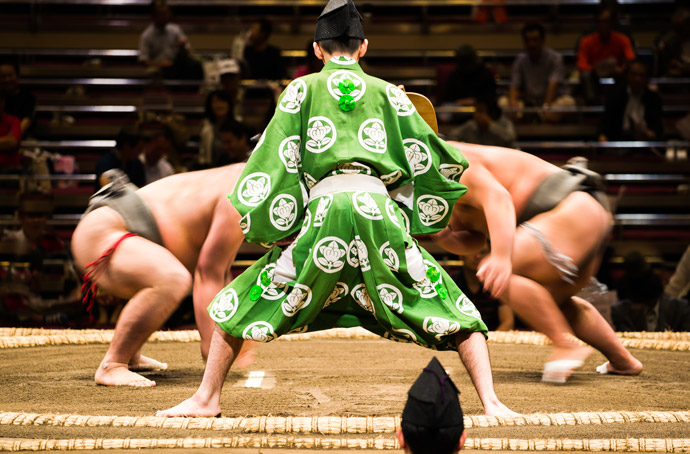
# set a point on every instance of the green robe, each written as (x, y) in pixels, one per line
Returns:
(353, 261)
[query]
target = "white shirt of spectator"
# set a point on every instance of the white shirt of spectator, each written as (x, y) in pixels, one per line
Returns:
(157, 45)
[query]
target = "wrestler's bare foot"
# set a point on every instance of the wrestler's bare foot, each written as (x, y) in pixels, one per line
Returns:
(563, 361)
(191, 407)
(117, 374)
(247, 354)
(144, 363)
(633, 367)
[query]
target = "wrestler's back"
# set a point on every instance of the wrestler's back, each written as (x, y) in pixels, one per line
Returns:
(183, 206)
(519, 172)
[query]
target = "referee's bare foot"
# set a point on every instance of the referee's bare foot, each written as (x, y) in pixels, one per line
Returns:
(191, 408)
(118, 374)
(499, 409)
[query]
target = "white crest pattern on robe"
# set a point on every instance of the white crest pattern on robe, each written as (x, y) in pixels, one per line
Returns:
(297, 299)
(451, 171)
(329, 253)
(289, 153)
(391, 297)
(399, 100)
(246, 223)
(311, 181)
(418, 155)
(358, 255)
(390, 257)
(325, 203)
(440, 326)
(360, 294)
(340, 290)
(401, 335)
(343, 60)
(295, 93)
(322, 134)
(350, 168)
(283, 212)
(466, 306)
(259, 331)
(359, 85)
(391, 177)
(272, 291)
(425, 287)
(254, 189)
(224, 306)
(431, 209)
(372, 135)
(366, 206)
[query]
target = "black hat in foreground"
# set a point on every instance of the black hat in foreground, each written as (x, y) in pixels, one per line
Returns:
(433, 400)
(339, 19)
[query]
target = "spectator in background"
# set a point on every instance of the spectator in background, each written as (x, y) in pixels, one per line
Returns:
(487, 127)
(163, 46)
(230, 74)
(37, 290)
(679, 284)
(673, 47)
(311, 63)
(10, 138)
(632, 110)
(217, 110)
(603, 53)
(125, 156)
(19, 101)
(158, 143)
(642, 305)
(470, 79)
(537, 74)
(264, 61)
(496, 315)
(235, 142)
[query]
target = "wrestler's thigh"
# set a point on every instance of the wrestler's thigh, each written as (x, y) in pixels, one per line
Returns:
(139, 263)
(575, 228)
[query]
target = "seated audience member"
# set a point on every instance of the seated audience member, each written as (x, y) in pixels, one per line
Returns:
(470, 80)
(42, 286)
(537, 74)
(679, 284)
(217, 110)
(496, 315)
(10, 138)
(632, 111)
(125, 156)
(673, 47)
(487, 127)
(432, 420)
(264, 60)
(234, 138)
(230, 75)
(603, 53)
(163, 46)
(158, 143)
(646, 308)
(19, 101)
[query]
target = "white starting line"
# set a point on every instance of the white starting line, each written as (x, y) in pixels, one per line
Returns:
(257, 379)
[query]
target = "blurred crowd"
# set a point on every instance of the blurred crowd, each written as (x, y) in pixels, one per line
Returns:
(39, 285)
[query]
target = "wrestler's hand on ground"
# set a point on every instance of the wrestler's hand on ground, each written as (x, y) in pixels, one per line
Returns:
(494, 273)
